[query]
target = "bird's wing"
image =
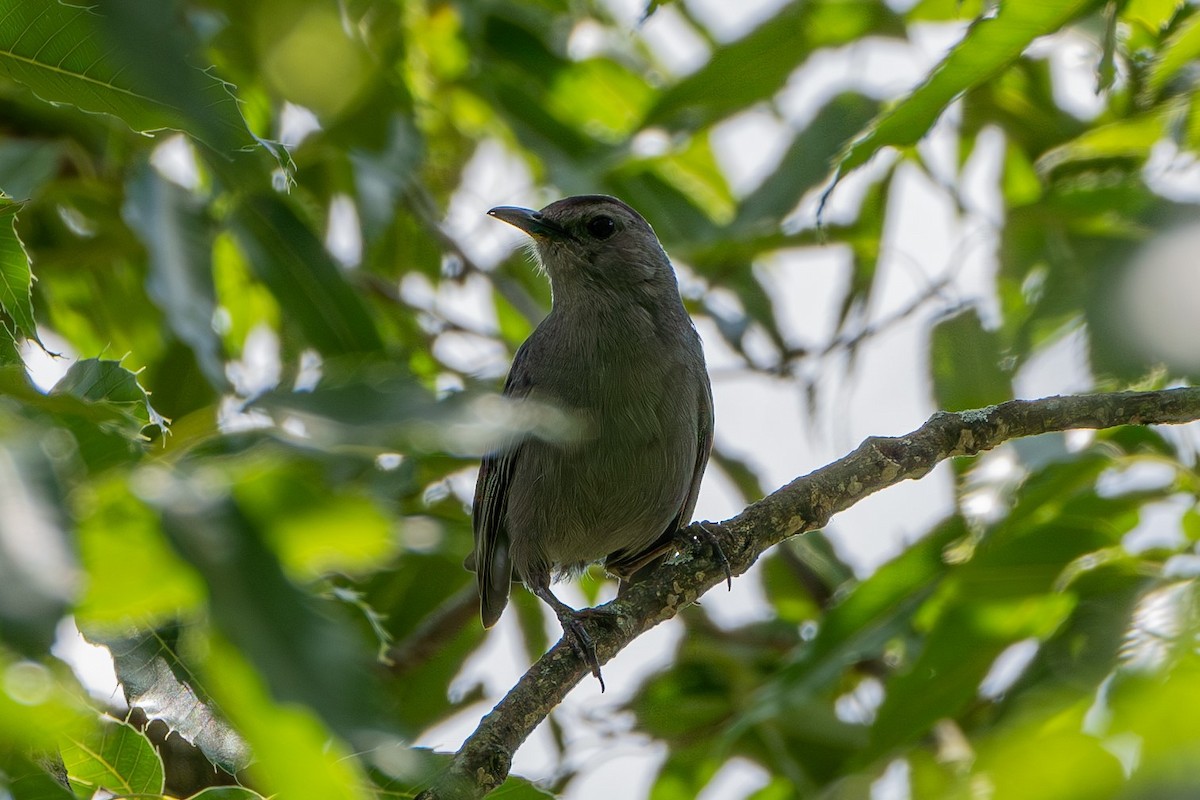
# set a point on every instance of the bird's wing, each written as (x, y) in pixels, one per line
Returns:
(492, 561)
(623, 565)
(705, 434)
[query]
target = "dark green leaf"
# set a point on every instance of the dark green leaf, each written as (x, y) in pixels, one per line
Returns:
(310, 287)
(179, 241)
(26, 165)
(69, 54)
(107, 384)
(25, 780)
(806, 163)
(966, 363)
(295, 642)
(955, 657)
(38, 571)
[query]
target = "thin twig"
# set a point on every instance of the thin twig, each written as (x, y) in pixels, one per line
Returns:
(431, 635)
(805, 504)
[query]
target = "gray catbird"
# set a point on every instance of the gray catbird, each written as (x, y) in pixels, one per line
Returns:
(620, 354)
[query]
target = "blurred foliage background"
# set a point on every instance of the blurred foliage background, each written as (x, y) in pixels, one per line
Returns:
(246, 468)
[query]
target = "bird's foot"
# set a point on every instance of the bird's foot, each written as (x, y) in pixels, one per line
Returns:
(574, 630)
(708, 532)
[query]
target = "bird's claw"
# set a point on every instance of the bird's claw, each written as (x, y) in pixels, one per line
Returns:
(710, 538)
(581, 642)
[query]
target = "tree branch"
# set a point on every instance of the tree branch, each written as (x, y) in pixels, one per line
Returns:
(805, 504)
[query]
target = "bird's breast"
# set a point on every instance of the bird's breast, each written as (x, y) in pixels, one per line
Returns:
(619, 486)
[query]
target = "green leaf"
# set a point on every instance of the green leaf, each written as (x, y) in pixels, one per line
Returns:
(991, 44)
(1128, 139)
(1080, 655)
(516, 788)
(304, 278)
(600, 98)
(965, 361)
(954, 659)
(69, 54)
(39, 706)
(25, 780)
(802, 575)
(807, 162)
(172, 225)
(16, 278)
(295, 755)
(26, 165)
(1180, 49)
(226, 793)
(314, 530)
(117, 758)
(755, 66)
(1053, 764)
(105, 383)
(858, 627)
(146, 666)
(39, 575)
(301, 647)
(119, 536)
(10, 356)
(945, 10)
(429, 585)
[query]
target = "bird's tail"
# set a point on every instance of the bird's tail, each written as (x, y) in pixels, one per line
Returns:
(495, 582)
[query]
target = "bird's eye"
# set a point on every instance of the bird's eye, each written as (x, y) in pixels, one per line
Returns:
(601, 227)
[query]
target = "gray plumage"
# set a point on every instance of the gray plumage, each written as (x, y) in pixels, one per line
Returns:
(618, 352)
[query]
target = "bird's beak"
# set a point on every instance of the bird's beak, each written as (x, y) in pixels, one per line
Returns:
(530, 221)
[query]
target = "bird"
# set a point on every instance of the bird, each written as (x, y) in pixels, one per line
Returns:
(620, 355)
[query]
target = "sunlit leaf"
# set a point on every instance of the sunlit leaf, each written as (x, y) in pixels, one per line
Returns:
(226, 793)
(1129, 139)
(16, 278)
(39, 706)
(600, 97)
(1181, 48)
(117, 758)
(312, 530)
(294, 754)
(119, 537)
(755, 66)
(146, 666)
(1054, 764)
(992, 43)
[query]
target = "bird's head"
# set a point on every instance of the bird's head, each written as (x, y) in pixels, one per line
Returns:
(594, 244)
